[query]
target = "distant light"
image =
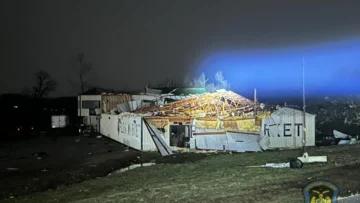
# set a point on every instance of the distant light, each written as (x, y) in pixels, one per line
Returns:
(53, 126)
(18, 129)
(268, 65)
(15, 107)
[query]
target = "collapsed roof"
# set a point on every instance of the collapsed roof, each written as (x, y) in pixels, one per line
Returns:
(188, 91)
(178, 91)
(221, 103)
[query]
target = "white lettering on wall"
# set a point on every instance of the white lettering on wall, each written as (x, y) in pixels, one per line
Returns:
(128, 127)
(287, 129)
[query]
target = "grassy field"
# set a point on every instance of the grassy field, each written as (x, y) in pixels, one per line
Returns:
(219, 177)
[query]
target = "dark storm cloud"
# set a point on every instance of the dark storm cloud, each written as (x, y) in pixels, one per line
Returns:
(133, 42)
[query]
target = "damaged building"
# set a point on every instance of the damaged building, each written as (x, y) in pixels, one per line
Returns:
(285, 128)
(222, 120)
(96, 101)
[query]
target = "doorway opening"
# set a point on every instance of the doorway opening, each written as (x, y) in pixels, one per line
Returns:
(180, 135)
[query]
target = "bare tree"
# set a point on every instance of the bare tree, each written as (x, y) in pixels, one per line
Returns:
(44, 85)
(219, 76)
(222, 83)
(210, 87)
(26, 92)
(83, 72)
(166, 83)
(187, 82)
(201, 81)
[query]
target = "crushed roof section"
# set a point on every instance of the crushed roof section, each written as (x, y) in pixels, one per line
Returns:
(188, 91)
(153, 91)
(165, 90)
(225, 103)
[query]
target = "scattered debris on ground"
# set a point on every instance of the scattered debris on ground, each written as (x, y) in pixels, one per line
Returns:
(40, 155)
(234, 181)
(12, 169)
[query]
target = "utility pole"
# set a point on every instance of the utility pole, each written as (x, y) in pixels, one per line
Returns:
(255, 103)
(304, 105)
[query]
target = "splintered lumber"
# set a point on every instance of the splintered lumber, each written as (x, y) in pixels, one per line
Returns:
(224, 104)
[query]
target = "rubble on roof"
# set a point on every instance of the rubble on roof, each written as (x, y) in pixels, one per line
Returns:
(221, 103)
(135, 114)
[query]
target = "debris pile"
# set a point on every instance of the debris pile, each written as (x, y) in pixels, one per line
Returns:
(344, 138)
(221, 103)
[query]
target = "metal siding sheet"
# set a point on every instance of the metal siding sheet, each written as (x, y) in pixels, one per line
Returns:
(133, 105)
(113, 100)
(294, 140)
(214, 142)
(232, 141)
(148, 142)
(104, 126)
(311, 131)
(128, 106)
(143, 97)
(108, 126)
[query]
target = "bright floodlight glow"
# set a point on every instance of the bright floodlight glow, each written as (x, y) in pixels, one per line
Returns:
(330, 69)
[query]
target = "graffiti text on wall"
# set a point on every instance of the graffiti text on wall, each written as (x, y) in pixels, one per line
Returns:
(128, 127)
(287, 129)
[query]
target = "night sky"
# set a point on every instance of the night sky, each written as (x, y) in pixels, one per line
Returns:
(130, 43)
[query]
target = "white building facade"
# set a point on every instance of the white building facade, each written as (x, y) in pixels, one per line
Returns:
(285, 128)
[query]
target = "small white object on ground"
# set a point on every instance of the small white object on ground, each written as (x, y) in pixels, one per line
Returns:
(12, 169)
(344, 142)
(279, 165)
(353, 141)
(350, 199)
(312, 159)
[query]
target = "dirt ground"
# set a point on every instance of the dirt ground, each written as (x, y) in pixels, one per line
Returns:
(68, 162)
